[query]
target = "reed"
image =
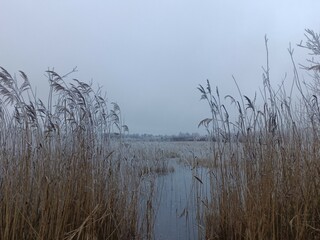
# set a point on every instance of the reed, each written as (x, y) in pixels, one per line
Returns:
(266, 179)
(60, 177)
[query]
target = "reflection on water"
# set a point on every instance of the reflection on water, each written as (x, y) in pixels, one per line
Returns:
(178, 203)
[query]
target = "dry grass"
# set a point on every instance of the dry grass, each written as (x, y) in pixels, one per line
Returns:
(59, 176)
(267, 181)
(63, 176)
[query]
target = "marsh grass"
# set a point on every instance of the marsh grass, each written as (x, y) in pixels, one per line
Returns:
(66, 172)
(60, 178)
(267, 178)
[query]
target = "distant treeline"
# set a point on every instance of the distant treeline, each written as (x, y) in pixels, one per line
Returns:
(181, 137)
(174, 138)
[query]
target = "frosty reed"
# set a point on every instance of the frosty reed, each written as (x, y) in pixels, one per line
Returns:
(59, 177)
(266, 179)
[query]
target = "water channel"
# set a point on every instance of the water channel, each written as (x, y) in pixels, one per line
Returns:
(179, 202)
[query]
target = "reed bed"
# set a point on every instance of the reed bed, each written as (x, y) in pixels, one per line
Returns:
(266, 179)
(60, 177)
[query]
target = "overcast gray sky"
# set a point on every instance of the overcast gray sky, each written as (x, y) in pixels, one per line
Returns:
(150, 55)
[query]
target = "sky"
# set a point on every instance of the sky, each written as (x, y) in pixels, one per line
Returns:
(150, 55)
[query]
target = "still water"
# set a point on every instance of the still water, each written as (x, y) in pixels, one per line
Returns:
(179, 202)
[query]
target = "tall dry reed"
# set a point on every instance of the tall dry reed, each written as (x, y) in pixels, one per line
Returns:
(266, 179)
(59, 176)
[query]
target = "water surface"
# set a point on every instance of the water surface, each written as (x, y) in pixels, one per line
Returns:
(177, 202)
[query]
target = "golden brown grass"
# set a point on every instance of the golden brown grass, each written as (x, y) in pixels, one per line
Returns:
(59, 176)
(269, 192)
(266, 183)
